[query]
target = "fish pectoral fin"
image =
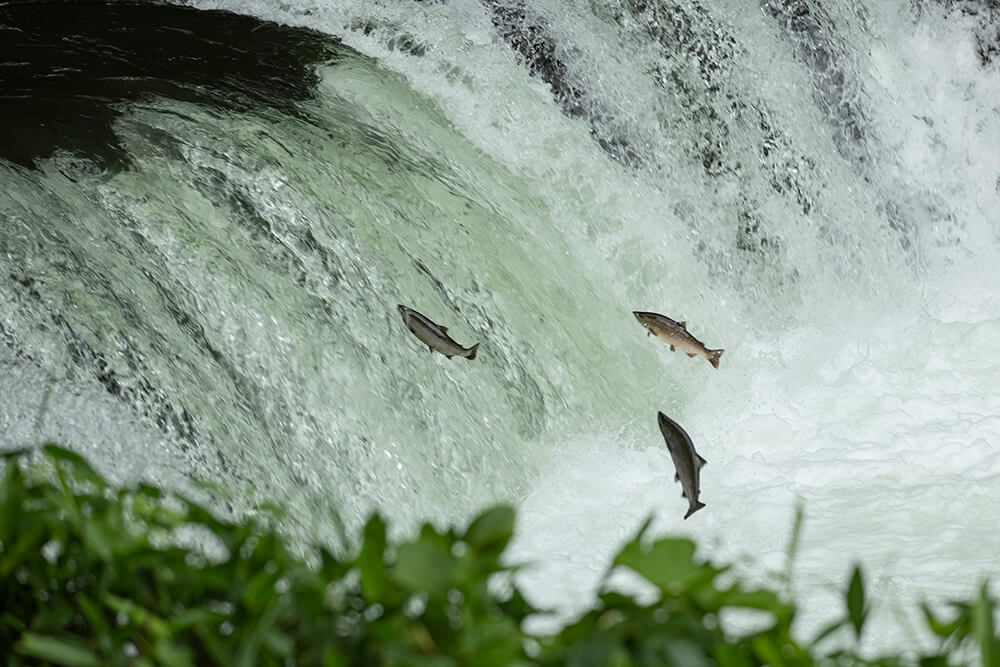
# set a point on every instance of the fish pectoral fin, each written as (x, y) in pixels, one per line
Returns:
(692, 354)
(677, 477)
(684, 494)
(430, 349)
(648, 334)
(672, 348)
(701, 461)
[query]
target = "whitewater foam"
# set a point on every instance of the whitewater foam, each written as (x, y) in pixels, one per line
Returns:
(886, 431)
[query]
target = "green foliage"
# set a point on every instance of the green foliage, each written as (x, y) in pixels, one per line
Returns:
(682, 627)
(92, 575)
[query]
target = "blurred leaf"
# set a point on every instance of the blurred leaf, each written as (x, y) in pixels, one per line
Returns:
(170, 654)
(137, 614)
(196, 616)
(517, 607)
(829, 630)
(794, 542)
(339, 528)
(728, 655)
(423, 567)
(213, 643)
(982, 627)
(260, 589)
(11, 500)
(856, 601)
(214, 488)
(148, 491)
(248, 651)
(96, 540)
(594, 651)
(941, 628)
(11, 621)
(334, 658)
(371, 560)
(17, 554)
(767, 650)
(491, 529)
(934, 661)
(12, 454)
(279, 643)
(93, 614)
(759, 599)
(198, 514)
(668, 563)
(58, 651)
(79, 465)
(431, 535)
(272, 510)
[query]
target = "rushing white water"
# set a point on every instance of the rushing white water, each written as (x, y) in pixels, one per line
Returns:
(820, 202)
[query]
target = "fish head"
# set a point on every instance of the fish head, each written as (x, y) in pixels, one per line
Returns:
(407, 313)
(672, 432)
(667, 429)
(642, 317)
(664, 421)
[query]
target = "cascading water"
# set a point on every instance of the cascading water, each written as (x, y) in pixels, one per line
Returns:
(208, 221)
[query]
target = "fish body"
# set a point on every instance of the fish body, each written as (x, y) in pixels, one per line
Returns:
(676, 335)
(435, 336)
(687, 462)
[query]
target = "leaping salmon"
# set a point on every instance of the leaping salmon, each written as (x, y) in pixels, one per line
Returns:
(435, 336)
(676, 335)
(686, 460)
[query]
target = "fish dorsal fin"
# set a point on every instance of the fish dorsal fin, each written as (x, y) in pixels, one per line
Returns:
(684, 325)
(701, 461)
(444, 329)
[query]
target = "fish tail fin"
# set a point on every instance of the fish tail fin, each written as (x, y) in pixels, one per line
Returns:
(694, 508)
(472, 352)
(713, 357)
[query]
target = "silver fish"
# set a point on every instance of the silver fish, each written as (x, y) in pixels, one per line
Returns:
(687, 461)
(676, 335)
(434, 335)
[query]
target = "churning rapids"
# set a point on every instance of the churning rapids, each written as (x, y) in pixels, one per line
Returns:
(208, 217)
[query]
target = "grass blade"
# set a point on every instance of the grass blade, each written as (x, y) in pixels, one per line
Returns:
(55, 650)
(856, 611)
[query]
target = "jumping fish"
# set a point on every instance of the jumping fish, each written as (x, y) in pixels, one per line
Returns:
(434, 335)
(687, 461)
(676, 334)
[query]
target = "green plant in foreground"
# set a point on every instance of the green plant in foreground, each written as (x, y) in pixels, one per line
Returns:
(93, 575)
